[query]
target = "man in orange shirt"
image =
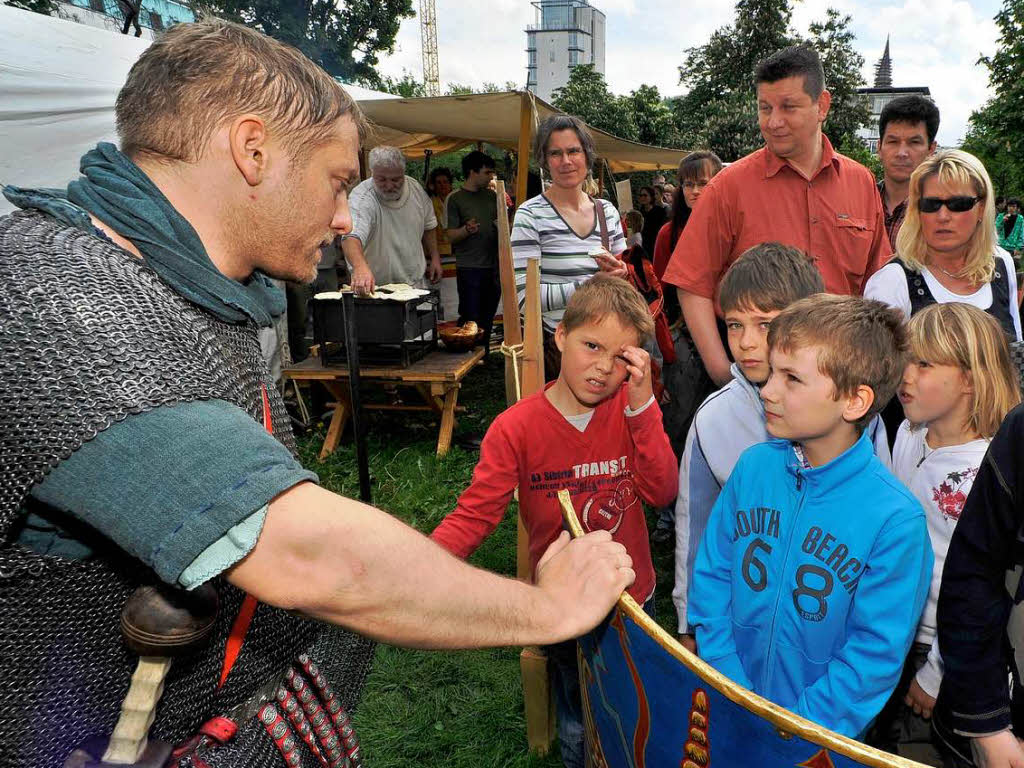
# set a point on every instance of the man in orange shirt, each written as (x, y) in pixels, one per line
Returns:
(796, 190)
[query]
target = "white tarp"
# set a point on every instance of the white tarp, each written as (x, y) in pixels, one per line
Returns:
(58, 83)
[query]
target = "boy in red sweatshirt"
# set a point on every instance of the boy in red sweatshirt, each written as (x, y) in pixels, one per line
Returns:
(595, 431)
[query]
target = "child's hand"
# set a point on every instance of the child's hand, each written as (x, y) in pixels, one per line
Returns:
(638, 365)
(922, 703)
(689, 642)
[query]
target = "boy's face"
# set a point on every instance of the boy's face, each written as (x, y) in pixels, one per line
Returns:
(592, 364)
(748, 341)
(799, 400)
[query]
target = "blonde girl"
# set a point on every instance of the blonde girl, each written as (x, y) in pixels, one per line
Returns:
(958, 385)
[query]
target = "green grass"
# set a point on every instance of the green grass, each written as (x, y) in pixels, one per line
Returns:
(459, 709)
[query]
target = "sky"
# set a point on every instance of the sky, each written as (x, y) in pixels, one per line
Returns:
(935, 43)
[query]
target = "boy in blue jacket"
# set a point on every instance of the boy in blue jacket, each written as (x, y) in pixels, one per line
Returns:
(816, 563)
(757, 287)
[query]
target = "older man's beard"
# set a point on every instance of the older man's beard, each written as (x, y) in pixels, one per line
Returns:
(390, 196)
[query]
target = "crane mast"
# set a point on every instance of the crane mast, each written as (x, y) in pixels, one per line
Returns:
(428, 41)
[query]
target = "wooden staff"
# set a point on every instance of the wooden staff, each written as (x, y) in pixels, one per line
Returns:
(537, 693)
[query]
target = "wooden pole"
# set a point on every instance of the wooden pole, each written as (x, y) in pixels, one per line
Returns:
(509, 298)
(523, 149)
(533, 335)
(533, 664)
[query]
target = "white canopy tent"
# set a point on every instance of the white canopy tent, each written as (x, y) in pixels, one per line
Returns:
(58, 83)
(444, 123)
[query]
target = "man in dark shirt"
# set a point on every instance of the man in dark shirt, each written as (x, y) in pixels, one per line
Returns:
(906, 130)
(473, 232)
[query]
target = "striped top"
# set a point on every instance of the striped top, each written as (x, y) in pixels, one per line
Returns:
(540, 232)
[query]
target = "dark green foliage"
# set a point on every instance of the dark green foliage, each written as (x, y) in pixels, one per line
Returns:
(995, 132)
(344, 38)
(833, 41)
(45, 7)
(586, 96)
(855, 149)
(407, 86)
(718, 110)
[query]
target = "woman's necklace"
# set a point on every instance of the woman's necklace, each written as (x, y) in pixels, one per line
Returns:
(947, 273)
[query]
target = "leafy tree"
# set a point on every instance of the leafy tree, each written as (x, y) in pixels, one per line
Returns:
(345, 38)
(407, 86)
(718, 109)
(855, 148)
(1000, 119)
(833, 41)
(653, 118)
(586, 95)
(985, 142)
(459, 89)
(45, 7)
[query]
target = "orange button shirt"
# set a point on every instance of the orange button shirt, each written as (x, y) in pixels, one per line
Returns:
(836, 217)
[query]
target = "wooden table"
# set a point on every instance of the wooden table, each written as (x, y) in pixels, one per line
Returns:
(437, 377)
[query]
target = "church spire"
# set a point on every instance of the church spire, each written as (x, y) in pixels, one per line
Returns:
(883, 69)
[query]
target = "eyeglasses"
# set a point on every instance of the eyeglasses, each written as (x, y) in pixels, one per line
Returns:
(558, 154)
(960, 204)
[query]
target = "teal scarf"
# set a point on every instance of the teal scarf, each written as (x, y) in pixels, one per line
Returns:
(116, 191)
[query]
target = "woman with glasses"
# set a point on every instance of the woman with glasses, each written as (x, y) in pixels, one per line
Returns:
(562, 226)
(695, 172)
(947, 249)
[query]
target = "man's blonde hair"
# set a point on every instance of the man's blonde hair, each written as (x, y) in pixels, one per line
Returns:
(604, 295)
(861, 341)
(954, 167)
(195, 76)
(959, 334)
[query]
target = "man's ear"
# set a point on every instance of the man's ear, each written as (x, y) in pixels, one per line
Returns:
(858, 403)
(824, 104)
(247, 138)
(560, 337)
(931, 149)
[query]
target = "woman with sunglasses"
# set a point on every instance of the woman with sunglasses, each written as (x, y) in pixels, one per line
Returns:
(946, 249)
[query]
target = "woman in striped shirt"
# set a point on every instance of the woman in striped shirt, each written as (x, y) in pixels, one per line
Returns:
(561, 225)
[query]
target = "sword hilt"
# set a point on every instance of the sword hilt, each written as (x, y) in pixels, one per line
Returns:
(158, 623)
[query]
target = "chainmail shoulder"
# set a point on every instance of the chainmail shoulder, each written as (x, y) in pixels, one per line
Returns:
(89, 336)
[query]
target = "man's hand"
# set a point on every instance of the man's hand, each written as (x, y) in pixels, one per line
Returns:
(610, 264)
(638, 365)
(582, 579)
(689, 642)
(362, 280)
(434, 272)
(921, 702)
(1000, 750)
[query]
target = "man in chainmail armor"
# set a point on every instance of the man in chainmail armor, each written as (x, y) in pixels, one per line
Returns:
(142, 440)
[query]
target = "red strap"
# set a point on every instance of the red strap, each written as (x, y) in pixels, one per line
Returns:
(220, 729)
(245, 613)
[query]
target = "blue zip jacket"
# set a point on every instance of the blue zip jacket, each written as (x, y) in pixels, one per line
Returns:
(809, 583)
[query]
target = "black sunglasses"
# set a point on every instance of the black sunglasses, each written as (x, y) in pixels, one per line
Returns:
(960, 204)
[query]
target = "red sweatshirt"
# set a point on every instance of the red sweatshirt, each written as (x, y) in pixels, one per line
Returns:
(607, 469)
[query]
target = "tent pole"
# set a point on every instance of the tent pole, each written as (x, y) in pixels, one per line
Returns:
(509, 304)
(523, 150)
(537, 693)
(427, 153)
